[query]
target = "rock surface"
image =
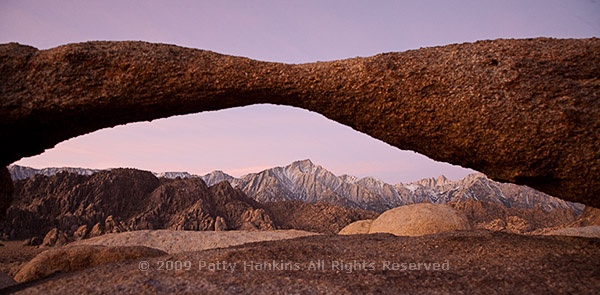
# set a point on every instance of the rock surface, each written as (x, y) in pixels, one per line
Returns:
(419, 219)
(173, 241)
(584, 231)
(523, 111)
(495, 216)
(54, 237)
(589, 217)
(479, 262)
(319, 217)
(357, 228)
(73, 258)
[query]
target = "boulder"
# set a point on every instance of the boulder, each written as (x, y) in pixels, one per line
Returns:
(78, 257)
(256, 219)
(54, 237)
(357, 227)
(97, 230)
(517, 225)
(220, 224)
(33, 241)
(81, 232)
(419, 219)
(113, 226)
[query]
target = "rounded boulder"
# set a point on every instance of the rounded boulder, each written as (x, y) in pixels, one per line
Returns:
(419, 219)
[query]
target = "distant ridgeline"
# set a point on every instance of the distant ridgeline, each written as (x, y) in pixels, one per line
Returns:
(305, 181)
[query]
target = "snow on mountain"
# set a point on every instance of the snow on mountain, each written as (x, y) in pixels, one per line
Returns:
(173, 175)
(21, 172)
(305, 181)
(216, 177)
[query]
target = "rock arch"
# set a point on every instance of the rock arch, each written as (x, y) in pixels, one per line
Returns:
(524, 111)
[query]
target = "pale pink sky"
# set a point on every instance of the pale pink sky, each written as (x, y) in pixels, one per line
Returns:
(250, 139)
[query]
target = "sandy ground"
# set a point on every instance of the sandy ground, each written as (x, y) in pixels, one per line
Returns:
(469, 262)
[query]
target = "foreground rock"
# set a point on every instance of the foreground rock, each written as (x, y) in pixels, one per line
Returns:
(522, 111)
(584, 231)
(172, 241)
(419, 219)
(470, 262)
(73, 258)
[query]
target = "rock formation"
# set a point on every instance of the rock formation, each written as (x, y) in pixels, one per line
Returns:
(177, 241)
(68, 206)
(589, 217)
(308, 182)
(79, 257)
(357, 227)
(118, 200)
(497, 217)
(320, 217)
(584, 231)
(83, 206)
(419, 219)
(523, 111)
(476, 262)
(54, 237)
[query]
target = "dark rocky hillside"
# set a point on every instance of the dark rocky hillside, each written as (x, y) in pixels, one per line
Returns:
(116, 200)
(320, 217)
(127, 199)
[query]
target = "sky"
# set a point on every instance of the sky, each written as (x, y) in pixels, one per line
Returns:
(250, 139)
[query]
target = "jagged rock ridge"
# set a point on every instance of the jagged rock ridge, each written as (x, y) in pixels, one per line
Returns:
(21, 172)
(70, 206)
(523, 111)
(127, 199)
(305, 181)
(18, 172)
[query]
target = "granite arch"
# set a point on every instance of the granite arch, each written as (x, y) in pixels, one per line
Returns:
(524, 111)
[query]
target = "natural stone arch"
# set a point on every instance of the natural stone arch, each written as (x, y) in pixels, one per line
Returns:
(522, 111)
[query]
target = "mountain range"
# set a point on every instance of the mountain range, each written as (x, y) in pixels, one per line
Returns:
(74, 203)
(305, 181)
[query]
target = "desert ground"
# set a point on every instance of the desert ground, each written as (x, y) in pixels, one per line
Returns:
(459, 262)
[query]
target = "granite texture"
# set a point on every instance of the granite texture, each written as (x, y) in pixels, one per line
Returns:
(525, 111)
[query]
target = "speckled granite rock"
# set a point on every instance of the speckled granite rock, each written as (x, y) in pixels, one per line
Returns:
(419, 219)
(524, 111)
(73, 258)
(357, 227)
(472, 262)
